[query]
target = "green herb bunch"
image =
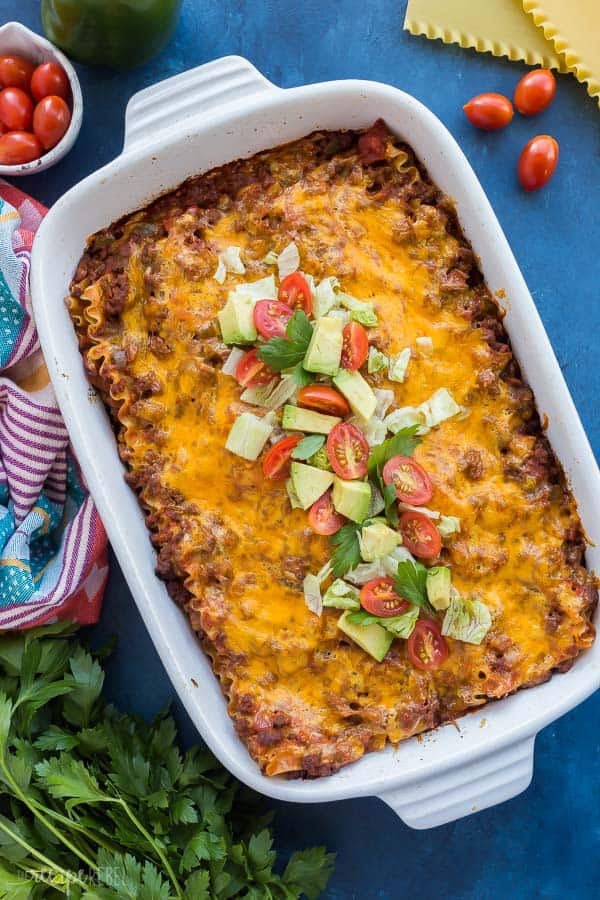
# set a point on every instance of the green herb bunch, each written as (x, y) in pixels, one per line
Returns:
(96, 804)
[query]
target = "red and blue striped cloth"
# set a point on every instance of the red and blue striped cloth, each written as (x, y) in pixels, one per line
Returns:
(53, 547)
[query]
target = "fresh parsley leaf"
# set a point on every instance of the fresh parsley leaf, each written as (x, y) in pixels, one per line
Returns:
(410, 583)
(301, 376)
(346, 552)
(391, 507)
(308, 871)
(284, 353)
(401, 444)
(56, 738)
(308, 446)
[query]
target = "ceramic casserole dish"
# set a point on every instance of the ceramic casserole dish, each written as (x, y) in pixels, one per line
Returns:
(189, 124)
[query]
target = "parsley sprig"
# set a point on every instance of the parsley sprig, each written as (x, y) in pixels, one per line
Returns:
(281, 353)
(108, 807)
(346, 549)
(410, 583)
(403, 443)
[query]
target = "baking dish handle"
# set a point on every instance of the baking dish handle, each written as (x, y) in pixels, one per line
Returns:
(170, 103)
(460, 792)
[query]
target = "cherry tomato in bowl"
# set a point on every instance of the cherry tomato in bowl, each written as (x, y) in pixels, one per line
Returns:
(15, 71)
(18, 147)
(379, 597)
(537, 162)
(252, 371)
(355, 347)
(348, 451)
(294, 291)
(276, 464)
(51, 119)
(427, 648)
(16, 109)
(412, 483)
(489, 111)
(535, 92)
(420, 536)
(271, 318)
(323, 399)
(323, 516)
(50, 79)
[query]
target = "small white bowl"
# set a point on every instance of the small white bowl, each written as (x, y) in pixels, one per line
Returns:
(16, 38)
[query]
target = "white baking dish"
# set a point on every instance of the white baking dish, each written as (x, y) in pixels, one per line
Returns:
(188, 124)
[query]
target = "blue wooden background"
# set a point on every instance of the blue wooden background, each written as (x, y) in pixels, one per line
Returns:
(545, 843)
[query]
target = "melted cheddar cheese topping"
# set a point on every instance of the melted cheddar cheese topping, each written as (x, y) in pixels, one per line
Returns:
(304, 698)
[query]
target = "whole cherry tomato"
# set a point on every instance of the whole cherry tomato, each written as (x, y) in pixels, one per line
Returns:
(489, 111)
(16, 109)
(51, 119)
(50, 78)
(17, 147)
(537, 162)
(15, 72)
(535, 91)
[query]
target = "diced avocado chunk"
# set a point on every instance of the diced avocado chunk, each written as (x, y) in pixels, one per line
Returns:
(296, 419)
(248, 436)
(374, 639)
(237, 320)
(351, 498)
(309, 483)
(325, 348)
(438, 586)
(377, 540)
(357, 392)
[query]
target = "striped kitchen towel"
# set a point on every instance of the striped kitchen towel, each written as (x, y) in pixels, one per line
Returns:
(53, 547)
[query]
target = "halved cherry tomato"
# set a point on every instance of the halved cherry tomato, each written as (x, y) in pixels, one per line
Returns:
(489, 111)
(323, 399)
(535, 91)
(16, 109)
(252, 371)
(420, 536)
(355, 348)
(537, 162)
(17, 147)
(51, 119)
(348, 450)
(276, 464)
(323, 517)
(427, 647)
(412, 483)
(50, 78)
(294, 291)
(15, 72)
(271, 318)
(380, 599)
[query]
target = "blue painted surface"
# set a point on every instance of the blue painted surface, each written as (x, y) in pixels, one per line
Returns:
(544, 844)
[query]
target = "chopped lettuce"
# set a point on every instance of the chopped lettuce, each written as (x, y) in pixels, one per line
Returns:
(375, 431)
(312, 587)
(430, 513)
(404, 418)
(263, 289)
(325, 297)
(466, 620)
(288, 260)
(448, 525)
(271, 258)
(402, 626)
(340, 595)
(398, 365)
(229, 261)
(385, 397)
(425, 345)
(377, 361)
(359, 311)
(271, 395)
(248, 436)
(439, 407)
(377, 503)
(231, 363)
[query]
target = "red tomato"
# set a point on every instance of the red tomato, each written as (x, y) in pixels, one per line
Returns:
(17, 147)
(355, 348)
(420, 536)
(276, 464)
(15, 72)
(51, 119)
(412, 483)
(271, 318)
(50, 78)
(348, 450)
(323, 517)
(489, 111)
(323, 399)
(535, 91)
(294, 291)
(427, 647)
(372, 144)
(380, 599)
(252, 371)
(537, 162)
(16, 109)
